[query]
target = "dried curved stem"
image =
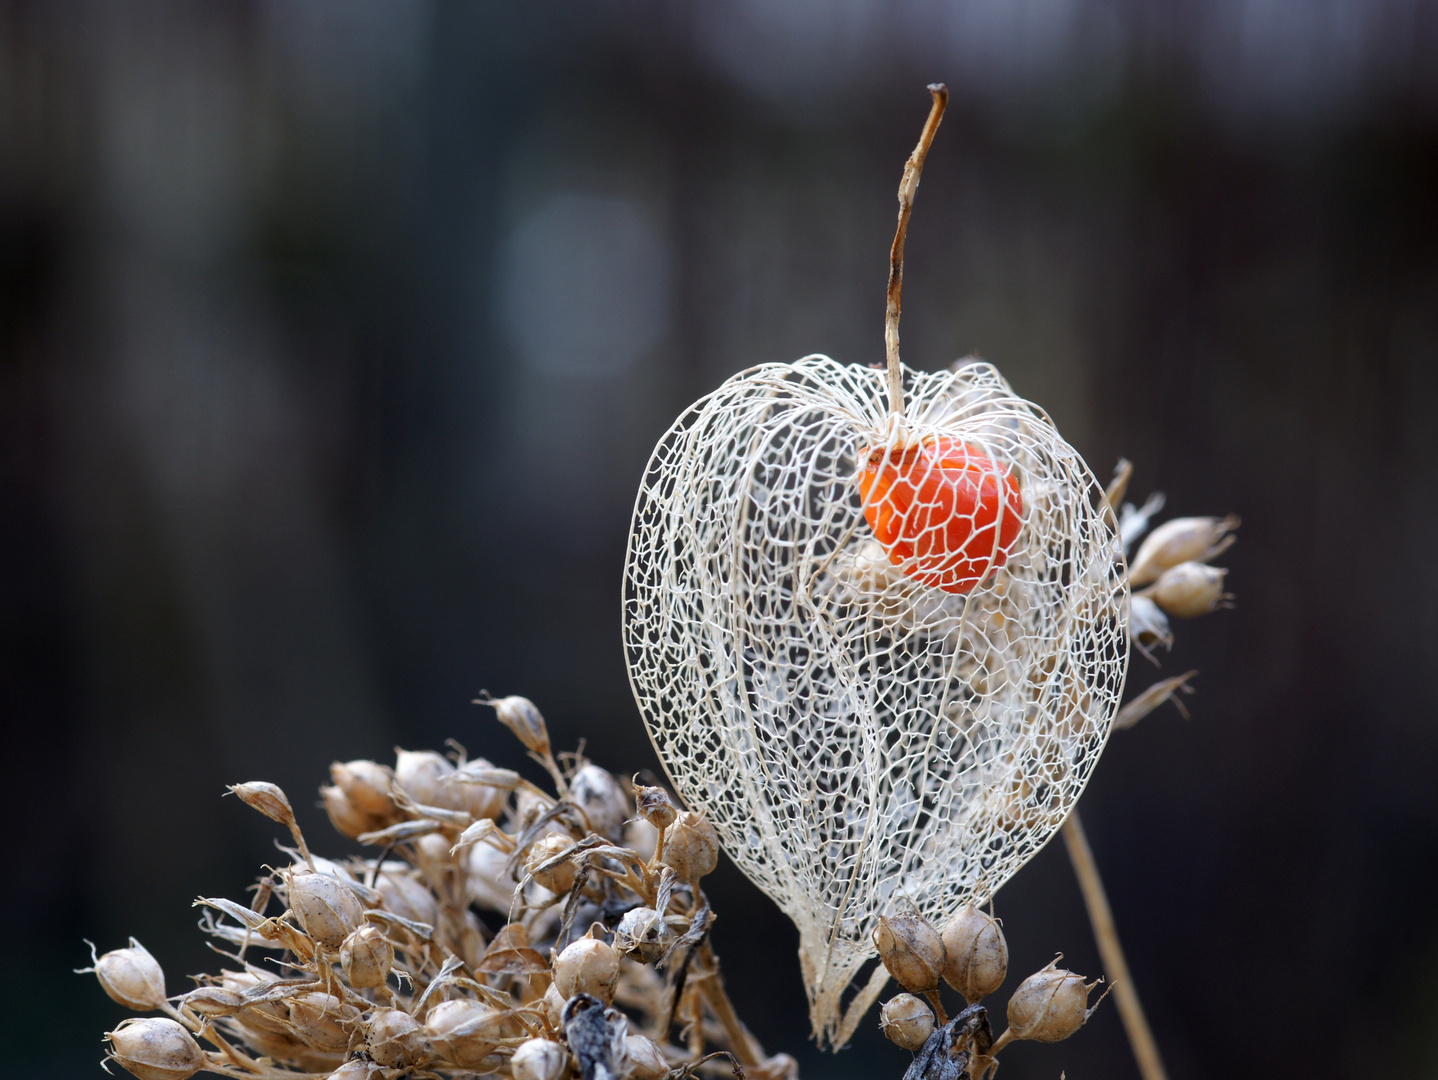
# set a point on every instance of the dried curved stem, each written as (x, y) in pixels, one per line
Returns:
(908, 186)
(1140, 1038)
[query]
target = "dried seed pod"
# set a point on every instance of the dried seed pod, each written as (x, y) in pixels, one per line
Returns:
(366, 956)
(465, 1032)
(1189, 589)
(539, 1059)
(396, 1040)
(347, 818)
(421, 773)
(1147, 624)
(976, 956)
(355, 1069)
(366, 785)
(325, 906)
(155, 1048)
(907, 1021)
(691, 847)
(600, 796)
(912, 950)
(468, 790)
(644, 934)
(558, 878)
(655, 806)
(405, 895)
(1050, 1004)
(587, 966)
(322, 1020)
(520, 715)
(212, 1001)
(1191, 539)
(268, 799)
(553, 1002)
(130, 976)
(646, 1060)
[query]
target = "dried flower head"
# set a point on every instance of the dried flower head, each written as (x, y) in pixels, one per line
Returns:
(1189, 589)
(655, 806)
(1191, 539)
(367, 957)
(587, 966)
(645, 1060)
(539, 1059)
(912, 950)
(558, 877)
(691, 847)
(366, 784)
(907, 1021)
(644, 934)
(155, 1048)
(327, 909)
(465, 1032)
(422, 773)
(601, 797)
(130, 976)
(522, 717)
(396, 1040)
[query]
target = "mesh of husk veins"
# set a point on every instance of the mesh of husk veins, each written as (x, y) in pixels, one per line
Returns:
(858, 739)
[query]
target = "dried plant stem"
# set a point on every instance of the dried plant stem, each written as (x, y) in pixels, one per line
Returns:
(746, 1047)
(908, 187)
(1145, 1050)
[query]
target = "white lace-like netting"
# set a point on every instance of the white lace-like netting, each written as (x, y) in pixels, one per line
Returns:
(857, 737)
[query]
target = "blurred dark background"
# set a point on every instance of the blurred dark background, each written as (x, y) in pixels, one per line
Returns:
(334, 337)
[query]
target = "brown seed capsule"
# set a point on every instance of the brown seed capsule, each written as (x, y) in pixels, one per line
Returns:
(558, 878)
(587, 966)
(404, 895)
(422, 773)
(465, 1032)
(906, 1020)
(1189, 589)
(539, 1059)
(396, 1041)
(155, 1048)
(322, 1020)
(520, 715)
(325, 906)
(1050, 1005)
(366, 784)
(130, 976)
(1193, 539)
(366, 956)
(644, 934)
(467, 790)
(655, 806)
(348, 819)
(912, 950)
(268, 799)
(646, 1060)
(976, 956)
(691, 847)
(599, 794)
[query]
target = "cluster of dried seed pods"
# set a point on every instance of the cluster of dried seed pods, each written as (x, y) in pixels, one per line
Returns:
(502, 930)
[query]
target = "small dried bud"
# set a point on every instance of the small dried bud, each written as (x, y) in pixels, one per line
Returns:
(906, 1020)
(1192, 539)
(1050, 1005)
(422, 774)
(322, 1021)
(347, 818)
(1189, 589)
(558, 878)
(976, 956)
(268, 799)
(655, 806)
(539, 1059)
(465, 1032)
(912, 950)
(691, 847)
(366, 784)
(396, 1041)
(587, 966)
(366, 956)
(521, 717)
(325, 906)
(155, 1048)
(130, 976)
(468, 789)
(600, 796)
(1147, 624)
(643, 933)
(646, 1060)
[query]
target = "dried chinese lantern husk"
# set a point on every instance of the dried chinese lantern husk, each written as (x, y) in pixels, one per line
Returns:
(853, 735)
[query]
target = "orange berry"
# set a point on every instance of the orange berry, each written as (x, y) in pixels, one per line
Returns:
(944, 511)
